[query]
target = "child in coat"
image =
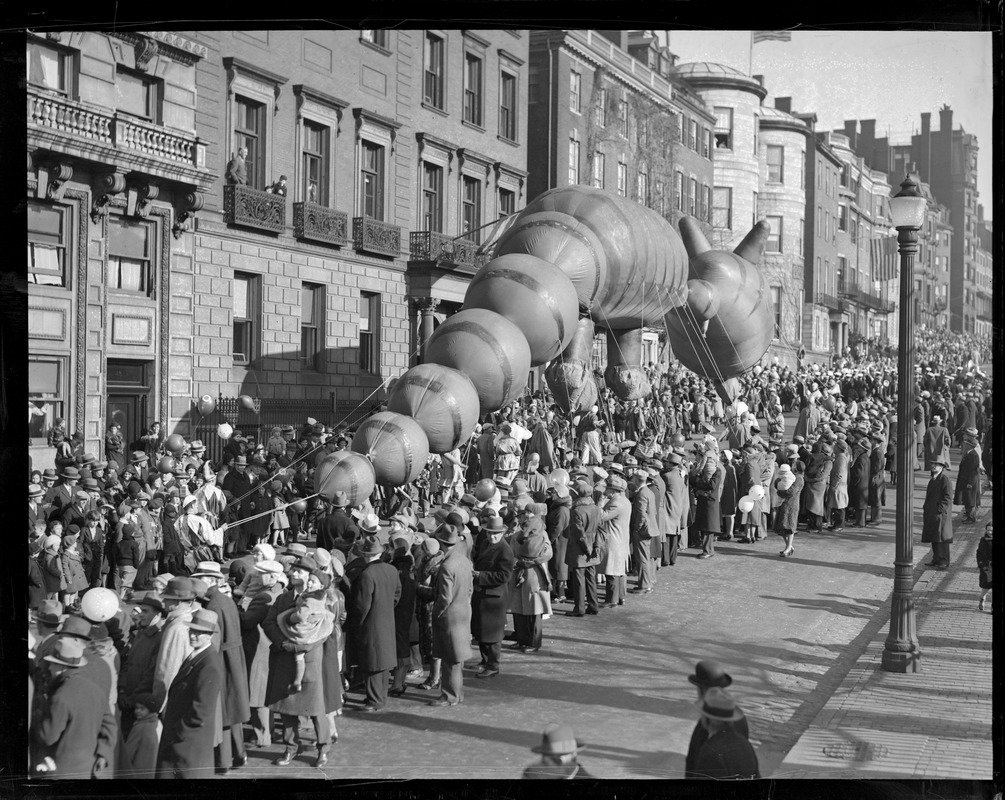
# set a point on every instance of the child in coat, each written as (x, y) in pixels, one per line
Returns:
(139, 751)
(309, 622)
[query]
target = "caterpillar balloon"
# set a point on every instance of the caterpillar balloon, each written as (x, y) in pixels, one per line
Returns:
(574, 259)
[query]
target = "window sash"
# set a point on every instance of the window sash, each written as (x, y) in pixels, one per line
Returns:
(774, 242)
(315, 159)
(134, 95)
(722, 207)
(471, 211)
(249, 132)
(723, 127)
(473, 89)
(245, 315)
(372, 180)
(432, 198)
(599, 165)
(46, 393)
(622, 178)
(129, 263)
(374, 36)
(507, 203)
(507, 107)
(776, 164)
(623, 117)
(573, 161)
(47, 67)
(433, 84)
(575, 92)
(369, 339)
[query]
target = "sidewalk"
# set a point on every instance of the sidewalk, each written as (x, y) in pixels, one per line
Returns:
(935, 723)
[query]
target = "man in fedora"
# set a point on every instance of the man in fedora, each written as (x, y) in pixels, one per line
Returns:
(451, 615)
(186, 746)
(36, 520)
(581, 555)
(338, 529)
(180, 602)
(238, 483)
(493, 563)
(73, 729)
(370, 622)
(708, 674)
(643, 527)
(234, 693)
(726, 753)
(137, 673)
(937, 514)
(559, 750)
(61, 495)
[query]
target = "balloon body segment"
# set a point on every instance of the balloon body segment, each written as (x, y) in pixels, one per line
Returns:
(442, 400)
(395, 444)
(345, 472)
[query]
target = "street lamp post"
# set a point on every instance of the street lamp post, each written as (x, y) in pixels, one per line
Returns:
(901, 652)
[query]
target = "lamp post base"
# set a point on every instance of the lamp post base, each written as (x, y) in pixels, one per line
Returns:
(901, 661)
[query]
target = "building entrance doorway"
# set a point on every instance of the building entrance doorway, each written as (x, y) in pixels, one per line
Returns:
(129, 397)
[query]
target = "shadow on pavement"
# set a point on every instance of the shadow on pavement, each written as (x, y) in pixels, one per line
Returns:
(849, 608)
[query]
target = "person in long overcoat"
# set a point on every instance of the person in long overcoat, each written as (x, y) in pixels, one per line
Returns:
(877, 480)
(657, 545)
(858, 481)
(406, 624)
(728, 497)
(937, 515)
(492, 564)
(937, 442)
(747, 476)
(708, 513)
(641, 525)
(529, 599)
(581, 555)
(186, 747)
(818, 473)
(556, 523)
(615, 533)
(968, 481)
(677, 502)
(985, 571)
(787, 514)
(451, 614)
(375, 591)
(256, 648)
(837, 489)
(309, 701)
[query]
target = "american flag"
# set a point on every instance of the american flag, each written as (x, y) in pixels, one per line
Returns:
(883, 256)
(771, 36)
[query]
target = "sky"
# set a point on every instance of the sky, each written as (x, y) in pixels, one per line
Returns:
(889, 76)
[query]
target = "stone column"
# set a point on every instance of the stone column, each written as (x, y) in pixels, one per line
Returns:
(425, 306)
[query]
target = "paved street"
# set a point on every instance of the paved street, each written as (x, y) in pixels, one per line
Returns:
(797, 635)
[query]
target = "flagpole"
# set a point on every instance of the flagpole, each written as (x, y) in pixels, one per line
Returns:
(750, 59)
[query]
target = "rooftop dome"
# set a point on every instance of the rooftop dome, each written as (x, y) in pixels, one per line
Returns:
(708, 73)
(703, 68)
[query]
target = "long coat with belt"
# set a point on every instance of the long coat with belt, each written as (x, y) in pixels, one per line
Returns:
(677, 500)
(937, 512)
(877, 477)
(818, 473)
(530, 546)
(406, 626)
(968, 481)
(256, 643)
(787, 514)
(858, 480)
(490, 600)
(615, 531)
(729, 496)
(186, 743)
(370, 617)
(584, 522)
(837, 491)
(72, 724)
(234, 695)
(451, 610)
(707, 491)
(309, 701)
(557, 523)
(937, 442)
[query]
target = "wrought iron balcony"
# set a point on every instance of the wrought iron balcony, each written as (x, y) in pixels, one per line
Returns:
(253, 208)
(373, 236)
(315, 223)
(441, 248)
(827, 301)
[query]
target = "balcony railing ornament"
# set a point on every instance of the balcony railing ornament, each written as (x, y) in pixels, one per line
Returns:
(319, 223)
(374, 236)
(253, 208)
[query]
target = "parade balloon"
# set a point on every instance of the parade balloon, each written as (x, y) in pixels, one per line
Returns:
(206, 405)
(247, 402)
(345, 472)
(757, 370)
(396, 446)
(756, 492)
(489, 349)
(745, 503)
(828, 403)
(300, 506)
(175, 443)
(224, 430)
(559, 477)
(570, 377)
(677, 440)
(166, 465)
(442, 400)
(99, 605)
(485, 489)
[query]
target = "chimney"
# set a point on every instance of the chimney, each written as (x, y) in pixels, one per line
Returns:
(946, 120)
(868, 132)
(784, 104)
(759, 79)
(851, 131)
(924, 150)
(926, 122)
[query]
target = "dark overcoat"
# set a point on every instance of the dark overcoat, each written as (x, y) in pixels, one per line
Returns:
(858, 480)
(186, 745)
(490, 599)
(451, 610)
(582, 532)
(708, 513)
(406, 625)
(71, 726)
(787, 514)
(235, 701)
(309, 701)
(968, 481)
(727, 755)
(556, 523)
(729, 496)
(818, 474)
(877, 477)
(937, 512)
(256, 643)
(370, 617)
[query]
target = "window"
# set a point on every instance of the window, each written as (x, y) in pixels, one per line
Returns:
(659, 199)
(679, 118)
(722, 207)
(601, 110)
(372, 180)
(507, 106)
(820, 221)
(599, 164)
(473, 89)
(776, 305)
(723, 128)
(533, 84)
(312, 325)
(137, 94)
(678, 190)
(507, 202)
(706, 203)
(316, 163)
(45, 396)
(708, 142)
(50, 68)
(776, 163)
(471, 207)
(800, 233)
(774, 244)
(249, 132)
(575, 92)
(820, 175)
(369, 332)
(754, 210)
(623, 117)
(246, 317)
(129, 266)
(802, 169)
(432, 197)
(622, 179)
(692, 140)
(642, 129)
(573, 160)
(46, 244)
(842, 217)
(433, 71)
(643, 187)
(375, 37)
(692, 198)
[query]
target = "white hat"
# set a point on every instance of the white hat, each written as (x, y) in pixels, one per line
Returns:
(269, 566)
(370, 523)
(189, 500)
(266, 550)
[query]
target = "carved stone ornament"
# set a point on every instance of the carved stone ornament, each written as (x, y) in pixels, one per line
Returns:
(107, 185)
(191, 202)
(139, 196)
(146, 49)
(58, 172)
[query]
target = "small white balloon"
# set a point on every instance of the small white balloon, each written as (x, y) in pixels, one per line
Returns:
(224, 430)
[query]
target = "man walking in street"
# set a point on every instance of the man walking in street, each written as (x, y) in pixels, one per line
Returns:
(726, 753)
(937, 515)
(451, 615)
(493, 563)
